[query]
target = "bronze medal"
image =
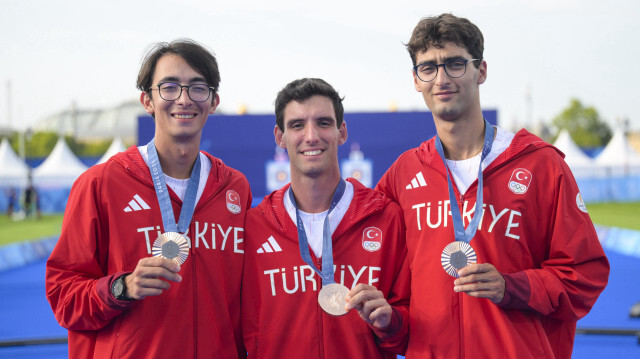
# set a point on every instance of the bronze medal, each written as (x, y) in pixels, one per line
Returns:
(332, 299)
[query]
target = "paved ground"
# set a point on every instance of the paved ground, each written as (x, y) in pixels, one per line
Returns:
(26, 313)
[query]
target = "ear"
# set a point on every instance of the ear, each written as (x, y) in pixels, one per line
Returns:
(214, 104)
(278, 137)
(343, 133)
(146, 101)
(482, 72)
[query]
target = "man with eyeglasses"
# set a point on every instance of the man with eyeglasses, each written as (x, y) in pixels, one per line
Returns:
(149, 262)
(504, 258)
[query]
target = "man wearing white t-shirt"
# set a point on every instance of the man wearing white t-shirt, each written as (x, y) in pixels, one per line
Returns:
(504, 258)
(321, 246)
(149, 261)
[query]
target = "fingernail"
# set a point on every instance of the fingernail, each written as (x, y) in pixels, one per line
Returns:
(347, 307)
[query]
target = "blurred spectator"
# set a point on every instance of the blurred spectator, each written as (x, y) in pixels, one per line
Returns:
(13, 201)
(30, 200)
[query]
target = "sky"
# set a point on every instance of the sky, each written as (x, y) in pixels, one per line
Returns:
(539, 54)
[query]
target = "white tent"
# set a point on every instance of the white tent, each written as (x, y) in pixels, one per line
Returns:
(60, 169)
(581, 165)
(116, 146)
(618, 157)
(13, 171)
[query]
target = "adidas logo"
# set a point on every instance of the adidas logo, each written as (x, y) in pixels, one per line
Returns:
(136, 204)
(418, 181)
(270, 246)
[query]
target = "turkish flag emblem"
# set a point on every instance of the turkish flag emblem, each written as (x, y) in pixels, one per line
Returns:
(372, 239)
(233, 202)
(520, 181)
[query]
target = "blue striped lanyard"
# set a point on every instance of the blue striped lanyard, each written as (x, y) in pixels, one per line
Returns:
(327, 245)
(462, 234)
(162, 193)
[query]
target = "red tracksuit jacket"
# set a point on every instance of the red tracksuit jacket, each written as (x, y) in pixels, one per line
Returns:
(535, 230)
(107, 229)
(281, 315)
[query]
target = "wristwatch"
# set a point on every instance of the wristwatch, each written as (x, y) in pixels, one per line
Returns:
(119, 288)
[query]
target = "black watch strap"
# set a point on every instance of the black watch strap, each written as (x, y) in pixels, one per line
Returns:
(119, 288)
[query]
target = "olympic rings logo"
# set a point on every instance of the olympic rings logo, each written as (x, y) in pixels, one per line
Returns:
(371, 246)
(517, 187)
(233, 208)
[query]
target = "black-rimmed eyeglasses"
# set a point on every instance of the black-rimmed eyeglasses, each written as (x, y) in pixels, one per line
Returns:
(454, 68)
(171, 91)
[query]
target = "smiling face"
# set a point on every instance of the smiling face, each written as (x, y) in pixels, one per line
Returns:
(183, 119)
(311, 137)
(451, 98)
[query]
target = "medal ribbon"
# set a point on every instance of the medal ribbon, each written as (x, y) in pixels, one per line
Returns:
(162, 193)
(462, 234)
(327, 245)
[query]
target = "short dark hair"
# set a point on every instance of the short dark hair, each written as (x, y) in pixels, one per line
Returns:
(199, 58)
(437, 31)
(301, 90)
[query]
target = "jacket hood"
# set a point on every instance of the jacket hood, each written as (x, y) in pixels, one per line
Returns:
(523, 142)
(133, 163)
(365, 202)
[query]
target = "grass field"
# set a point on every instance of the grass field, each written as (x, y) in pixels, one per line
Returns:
(31, 228)
(623, 215)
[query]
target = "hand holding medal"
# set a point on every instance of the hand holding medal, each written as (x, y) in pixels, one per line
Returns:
(171, 248)
(151, 277)
(371, 305)
(481, 281)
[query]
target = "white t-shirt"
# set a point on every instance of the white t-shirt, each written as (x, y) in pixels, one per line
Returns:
(466, 171)
(314, 222)
(179, 186)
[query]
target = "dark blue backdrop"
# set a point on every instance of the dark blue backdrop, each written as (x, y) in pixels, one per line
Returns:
(246, 142)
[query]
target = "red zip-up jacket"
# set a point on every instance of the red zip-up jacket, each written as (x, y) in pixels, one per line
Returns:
(281, 315)
(535, 230)
(111, 221)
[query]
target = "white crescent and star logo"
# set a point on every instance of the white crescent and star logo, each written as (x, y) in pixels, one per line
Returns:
(520, 181)
(233, 202)
(372, 239)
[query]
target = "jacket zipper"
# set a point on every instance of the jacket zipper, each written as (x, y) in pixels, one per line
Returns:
(461, 198)
(462, 354)
(195, 294)
(319, 315)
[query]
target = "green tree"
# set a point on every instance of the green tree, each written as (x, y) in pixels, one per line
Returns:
(584, 124)
(40, 144)
(36, 145)
(90, 149)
